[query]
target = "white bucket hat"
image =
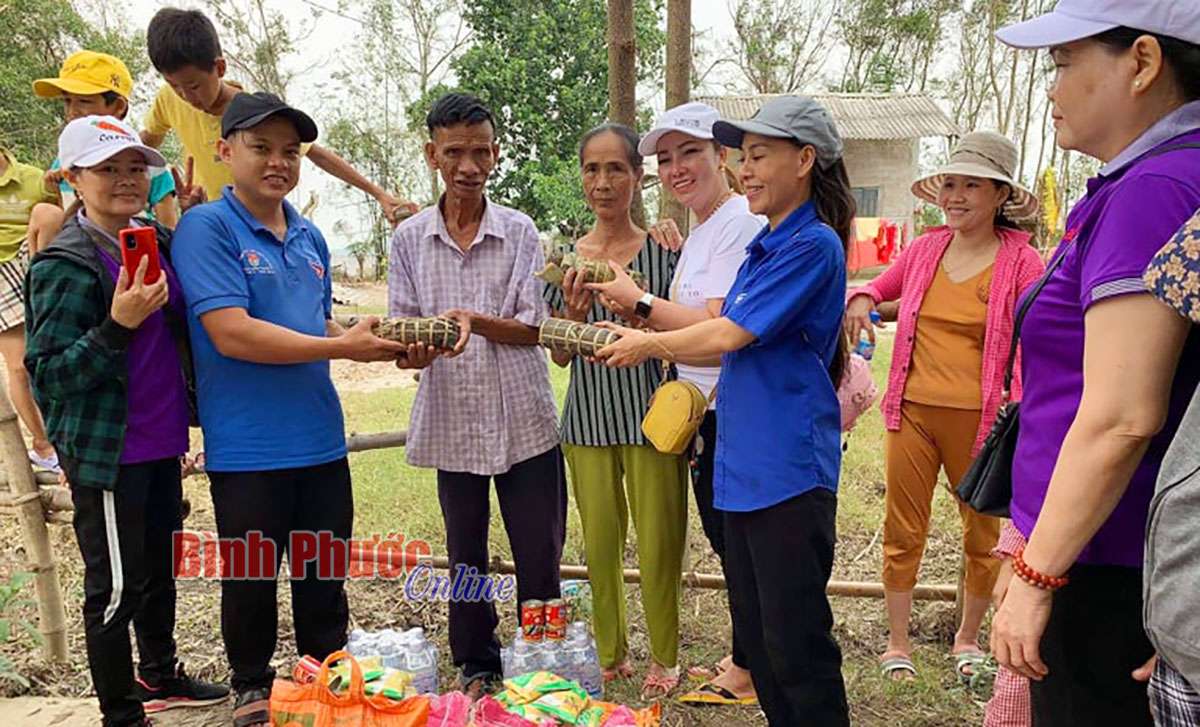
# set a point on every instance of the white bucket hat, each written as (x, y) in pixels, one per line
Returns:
(990, 156)
(88, 141)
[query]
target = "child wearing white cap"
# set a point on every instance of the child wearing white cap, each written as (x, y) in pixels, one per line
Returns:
(114, 382)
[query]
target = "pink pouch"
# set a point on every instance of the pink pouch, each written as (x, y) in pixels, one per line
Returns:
(452, 709)
(857, 391)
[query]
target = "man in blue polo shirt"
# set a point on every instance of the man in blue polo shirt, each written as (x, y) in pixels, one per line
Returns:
(255, 275)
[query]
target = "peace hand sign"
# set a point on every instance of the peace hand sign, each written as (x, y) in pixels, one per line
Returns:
(189, 193)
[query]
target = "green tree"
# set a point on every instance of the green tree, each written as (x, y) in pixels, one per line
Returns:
(780, 45)
(257, 40)
(542, 66)
(892, 43)
(38, 35)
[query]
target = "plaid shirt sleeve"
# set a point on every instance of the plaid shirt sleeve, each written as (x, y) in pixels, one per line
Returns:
(72, 344)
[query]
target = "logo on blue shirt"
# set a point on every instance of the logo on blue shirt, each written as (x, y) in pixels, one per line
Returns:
(255, 263)
(740, 297)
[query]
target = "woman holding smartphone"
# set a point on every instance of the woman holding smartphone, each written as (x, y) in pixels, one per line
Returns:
(106, 355)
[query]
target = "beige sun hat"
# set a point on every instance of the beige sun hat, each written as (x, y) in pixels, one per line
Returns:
(988, 155)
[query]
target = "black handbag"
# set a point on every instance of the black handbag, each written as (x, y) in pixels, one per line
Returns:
(986, 488)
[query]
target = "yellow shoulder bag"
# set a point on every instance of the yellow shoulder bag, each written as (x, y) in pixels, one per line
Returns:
(675, 413)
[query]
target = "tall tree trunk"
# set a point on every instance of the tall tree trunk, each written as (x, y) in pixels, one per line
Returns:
(679, 84)
(622, 78)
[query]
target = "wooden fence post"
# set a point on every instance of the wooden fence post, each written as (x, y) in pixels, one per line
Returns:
(52, 619)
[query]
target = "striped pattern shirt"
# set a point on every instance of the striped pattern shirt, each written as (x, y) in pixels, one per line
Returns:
(605, 406)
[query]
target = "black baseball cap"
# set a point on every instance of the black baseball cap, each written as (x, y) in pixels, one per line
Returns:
(248, 110)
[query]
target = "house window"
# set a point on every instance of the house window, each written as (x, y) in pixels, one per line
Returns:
(867, 199)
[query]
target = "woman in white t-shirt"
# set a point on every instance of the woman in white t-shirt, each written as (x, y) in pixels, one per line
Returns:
(691, 166)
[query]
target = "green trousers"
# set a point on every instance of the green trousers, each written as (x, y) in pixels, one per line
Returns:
(654, 491)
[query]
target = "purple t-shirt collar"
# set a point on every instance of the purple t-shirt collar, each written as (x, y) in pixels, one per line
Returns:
(1182, 120)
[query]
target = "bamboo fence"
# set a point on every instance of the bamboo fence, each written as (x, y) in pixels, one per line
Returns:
(38, 500)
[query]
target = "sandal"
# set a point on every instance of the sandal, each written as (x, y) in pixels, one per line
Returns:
(655, 683)
(252, 708)
(624, 670)
(967, 664)
(714, 694)
(479, 685)
(898, 668)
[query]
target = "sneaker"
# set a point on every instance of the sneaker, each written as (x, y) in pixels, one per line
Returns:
(180, 690)
(46, 463)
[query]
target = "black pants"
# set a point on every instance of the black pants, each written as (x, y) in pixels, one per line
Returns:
(1094, 639)
(779, 561)
(125, 536)
(277, 503)
(712, 520)
(533, 504)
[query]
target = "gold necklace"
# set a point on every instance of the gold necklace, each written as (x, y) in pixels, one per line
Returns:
(720, 203)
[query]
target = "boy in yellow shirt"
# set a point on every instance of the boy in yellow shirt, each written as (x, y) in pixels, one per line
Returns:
(184, 48)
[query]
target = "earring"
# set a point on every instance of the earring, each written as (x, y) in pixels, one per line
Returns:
(1137, 84)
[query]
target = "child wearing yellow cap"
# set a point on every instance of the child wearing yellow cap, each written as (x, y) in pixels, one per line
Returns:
(92, 84)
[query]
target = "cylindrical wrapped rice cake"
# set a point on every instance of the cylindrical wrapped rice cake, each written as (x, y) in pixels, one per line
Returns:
(580, 339)
(438, 331)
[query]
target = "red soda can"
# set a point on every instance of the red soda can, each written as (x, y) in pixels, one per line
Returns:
(306, 670)
(533, 620)
(556, 619)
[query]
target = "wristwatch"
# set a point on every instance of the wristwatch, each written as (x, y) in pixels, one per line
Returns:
(642, 308)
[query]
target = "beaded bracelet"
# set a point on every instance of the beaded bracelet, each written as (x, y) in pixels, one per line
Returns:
(1022, 570)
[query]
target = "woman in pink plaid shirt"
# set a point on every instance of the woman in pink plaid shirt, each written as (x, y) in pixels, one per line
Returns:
(958, 286)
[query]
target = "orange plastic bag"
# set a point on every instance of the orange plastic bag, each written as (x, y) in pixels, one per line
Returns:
(314, 705)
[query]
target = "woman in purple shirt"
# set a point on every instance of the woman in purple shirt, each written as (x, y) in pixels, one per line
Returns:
(1106, 368)
(106, 356)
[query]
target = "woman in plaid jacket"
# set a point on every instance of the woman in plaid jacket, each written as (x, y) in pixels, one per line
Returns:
(106, 353)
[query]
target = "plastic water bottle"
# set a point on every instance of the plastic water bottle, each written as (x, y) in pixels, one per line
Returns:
(551, 657)
(866, 347)
(355, 641)
(525, 657)
(587, 666)
(420, 661)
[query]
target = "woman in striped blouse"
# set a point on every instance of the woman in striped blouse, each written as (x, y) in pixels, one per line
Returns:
(614, 471)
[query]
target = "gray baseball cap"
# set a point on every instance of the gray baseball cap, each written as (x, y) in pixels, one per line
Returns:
(788, 117)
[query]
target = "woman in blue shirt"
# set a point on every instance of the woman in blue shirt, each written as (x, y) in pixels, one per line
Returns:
(780, 347)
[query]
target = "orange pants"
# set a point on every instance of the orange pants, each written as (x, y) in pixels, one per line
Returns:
(929, 438)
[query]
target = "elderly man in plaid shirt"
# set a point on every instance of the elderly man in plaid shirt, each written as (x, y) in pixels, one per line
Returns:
(488, 413)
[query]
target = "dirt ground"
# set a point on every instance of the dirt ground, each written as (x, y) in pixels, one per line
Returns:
(59, 712)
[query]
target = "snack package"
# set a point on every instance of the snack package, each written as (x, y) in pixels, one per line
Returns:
(393, 683)
(563, 705)
(529, 687)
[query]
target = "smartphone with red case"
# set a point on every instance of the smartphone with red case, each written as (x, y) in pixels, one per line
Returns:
(137, 243)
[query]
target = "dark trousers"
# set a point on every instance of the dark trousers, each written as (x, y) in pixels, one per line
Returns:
(125, 536)
(533, 504)
(1093, 640)
(277, 503)
(712, 520)
(779, 561)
